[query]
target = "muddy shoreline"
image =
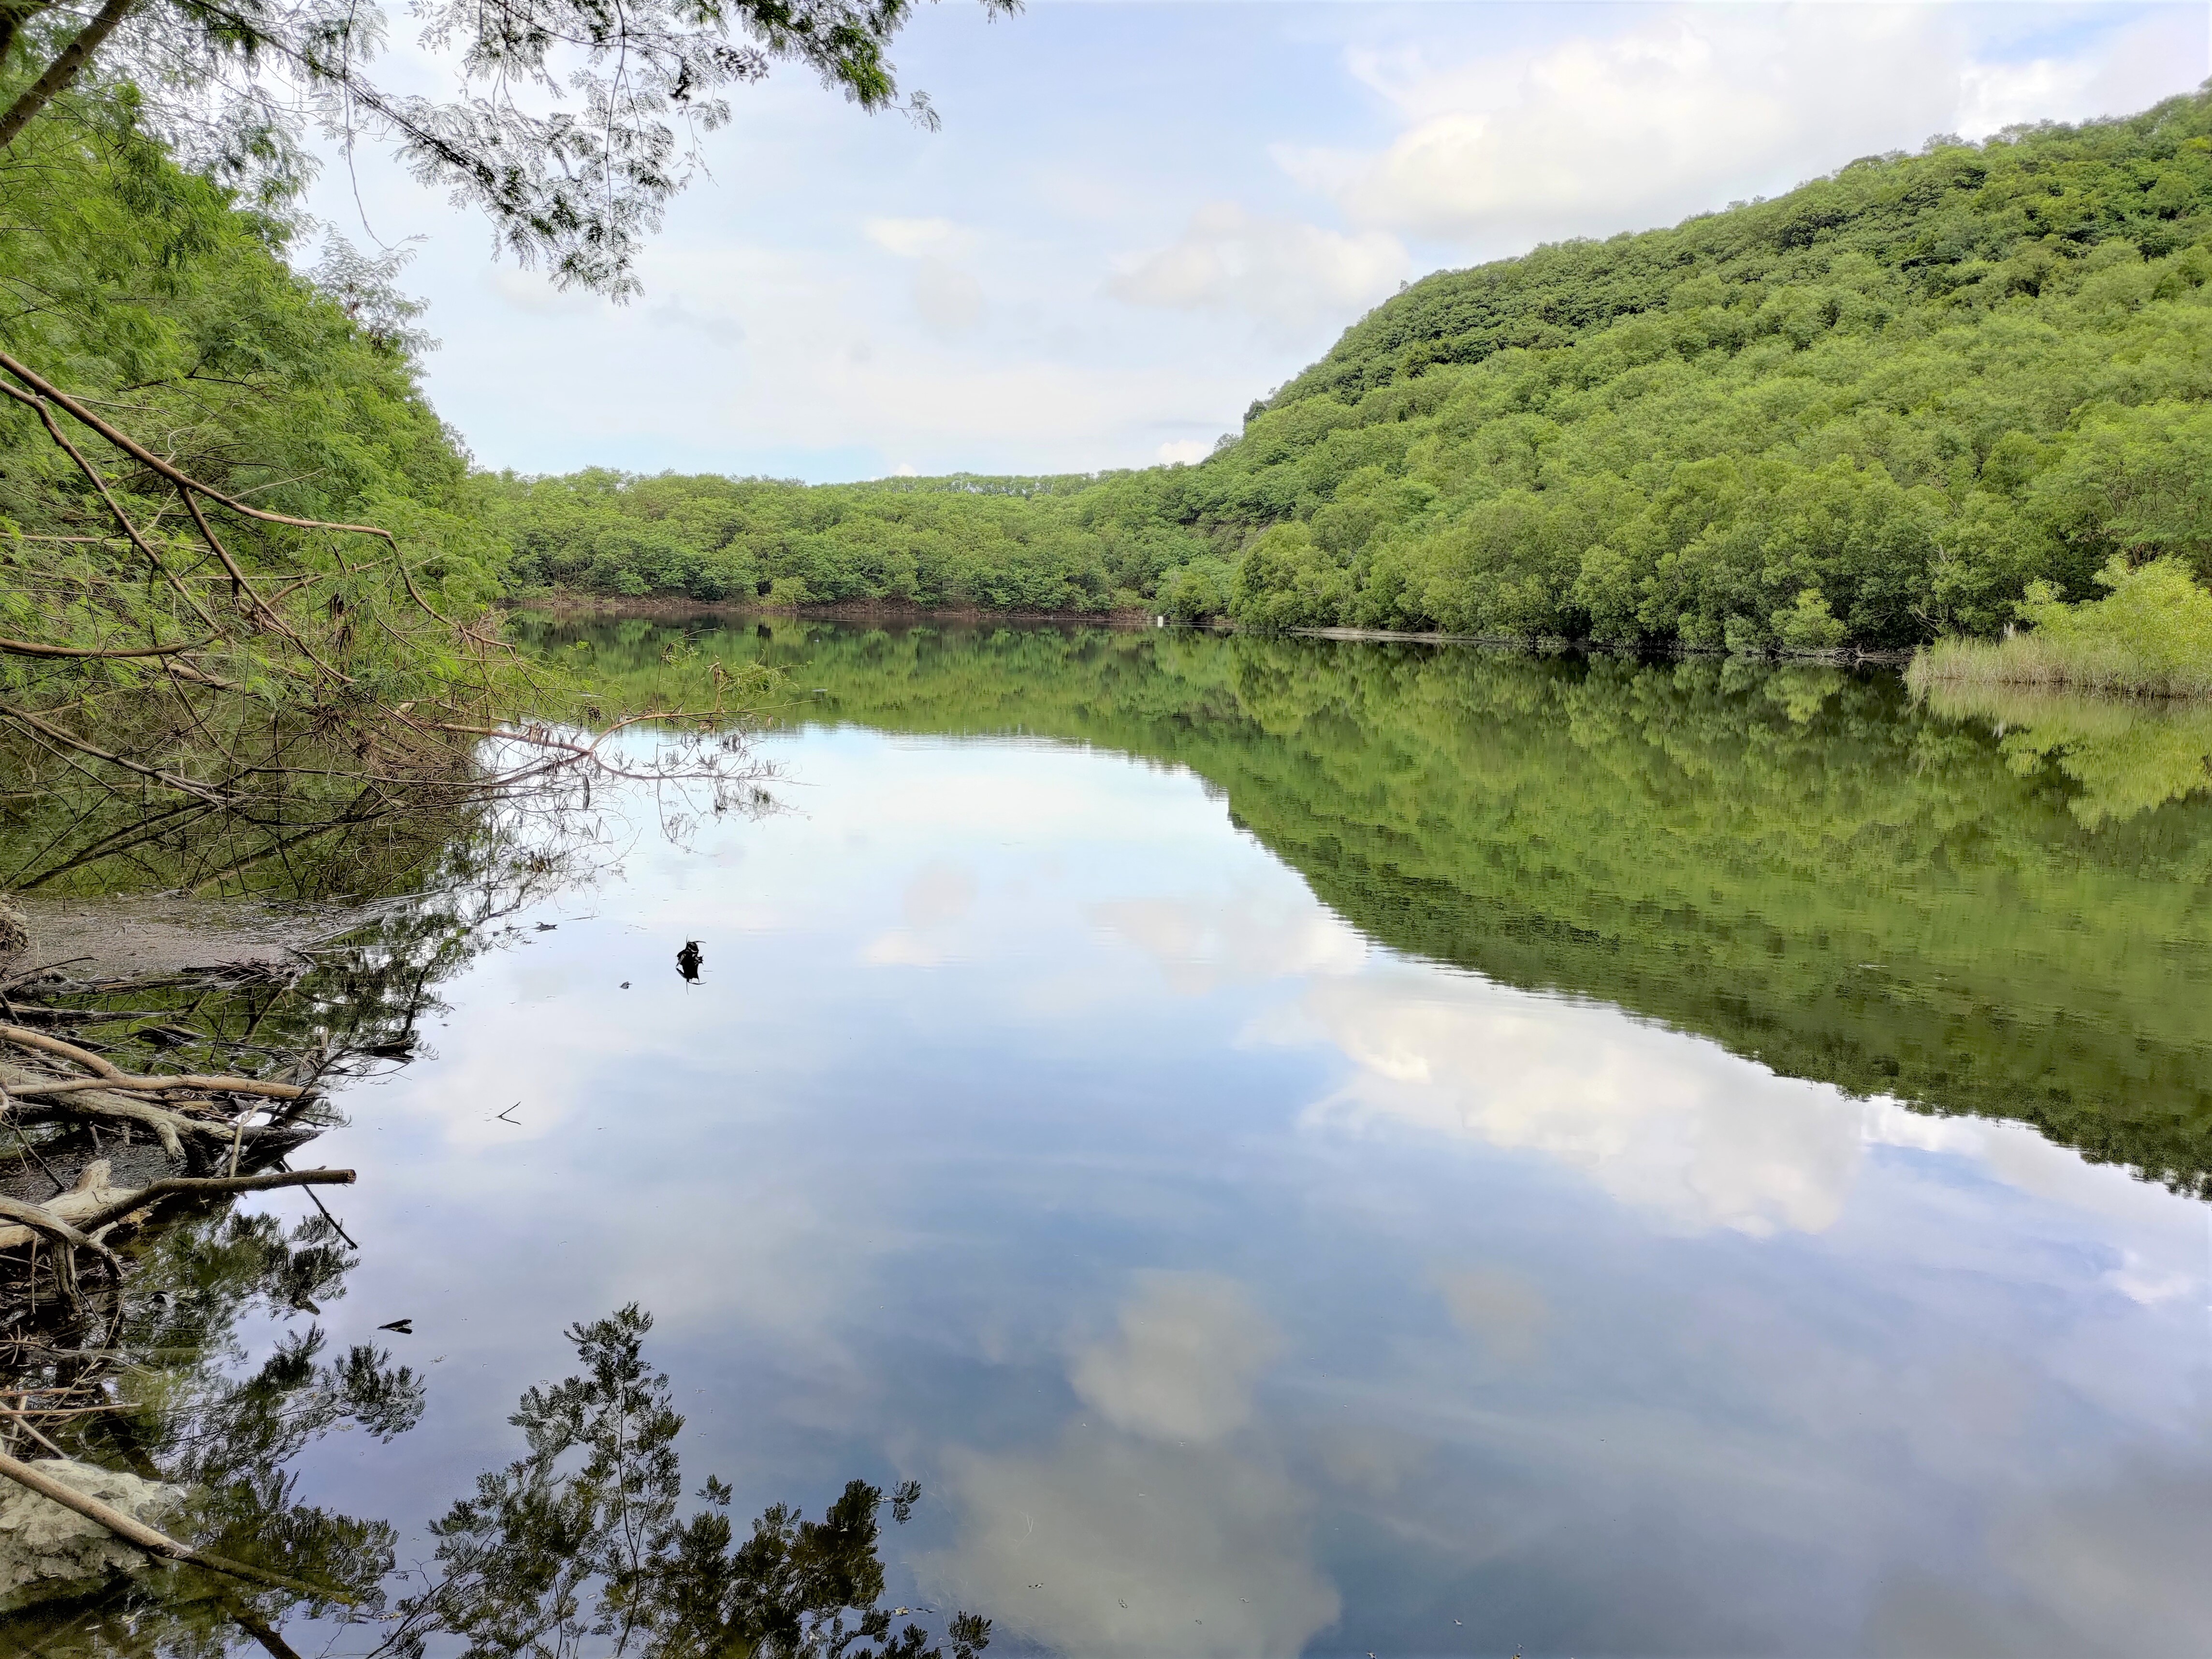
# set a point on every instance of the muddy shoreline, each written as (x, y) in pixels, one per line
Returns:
(123, 936)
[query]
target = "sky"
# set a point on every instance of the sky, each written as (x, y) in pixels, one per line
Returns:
(1139, 216)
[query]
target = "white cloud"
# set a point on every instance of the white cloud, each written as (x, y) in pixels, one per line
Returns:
(941, 891)
(901, 947)
(1202, 943)
(1288, 274)
(1678, 112)
(1505, 1311)
(720, 327)
(1184, 451)
(915, 238)
(530, 294)
(793, 323)
(1678, 1129)
(948, 299)
(1105, 1545)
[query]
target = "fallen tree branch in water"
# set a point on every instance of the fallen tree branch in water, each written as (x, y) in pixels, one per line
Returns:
(169, 1127)
(183, 1186)
(38, 1218)
(22, 1421)
(79, 1215)
(152, 1540)
(221, 1085)
(109, 1076)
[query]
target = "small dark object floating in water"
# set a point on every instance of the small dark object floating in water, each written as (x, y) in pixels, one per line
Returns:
(404, 1327)
(688, 960)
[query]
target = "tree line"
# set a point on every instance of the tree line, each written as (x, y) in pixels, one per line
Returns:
(1866, 414)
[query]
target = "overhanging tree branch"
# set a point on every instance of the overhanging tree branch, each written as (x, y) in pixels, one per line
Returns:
(64, 70)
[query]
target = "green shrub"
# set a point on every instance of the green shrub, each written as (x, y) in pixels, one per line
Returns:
(2150, 635)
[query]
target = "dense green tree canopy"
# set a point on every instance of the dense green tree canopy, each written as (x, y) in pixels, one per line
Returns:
(1866, 413)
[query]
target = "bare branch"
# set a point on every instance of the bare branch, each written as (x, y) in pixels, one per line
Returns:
(29, 648)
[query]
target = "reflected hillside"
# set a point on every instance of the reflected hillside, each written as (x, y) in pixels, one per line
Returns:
(1798, 863)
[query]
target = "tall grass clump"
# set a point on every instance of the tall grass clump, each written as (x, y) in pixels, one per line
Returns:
(2149, 636)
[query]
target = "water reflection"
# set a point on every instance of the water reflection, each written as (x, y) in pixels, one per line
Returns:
(1157, 1520)
(583, 1543)
(1972, 909)
(2129, 755)
(1206, 1262)
(1111, 1145)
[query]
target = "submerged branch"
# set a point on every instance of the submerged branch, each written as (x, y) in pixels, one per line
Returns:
(154, 1542)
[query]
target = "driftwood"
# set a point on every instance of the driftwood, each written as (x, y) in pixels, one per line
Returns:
(108, 1076)
(129, 1203)
(74, 1220)
(116, 1096)
(169, 1127)
(97, 1135)
(77, 1216)
(36, 1220)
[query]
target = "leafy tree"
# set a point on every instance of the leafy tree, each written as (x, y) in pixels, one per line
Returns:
(563, 124)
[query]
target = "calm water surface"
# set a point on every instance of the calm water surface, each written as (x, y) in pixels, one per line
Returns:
(1322, 1148)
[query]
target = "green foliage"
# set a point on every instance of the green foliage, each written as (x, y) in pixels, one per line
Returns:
(307, 706)
(143, 286)
(955, 543)
(2129, 755)
(1864, 414)
(1872, 410)
(305, 676)
(2151, 634)
(1808, 866)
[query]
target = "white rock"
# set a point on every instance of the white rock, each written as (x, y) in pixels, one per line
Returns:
(47, 1551)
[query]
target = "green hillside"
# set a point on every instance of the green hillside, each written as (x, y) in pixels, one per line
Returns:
(1866, 413)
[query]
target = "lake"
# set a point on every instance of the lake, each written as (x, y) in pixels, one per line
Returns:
(1304, 1146)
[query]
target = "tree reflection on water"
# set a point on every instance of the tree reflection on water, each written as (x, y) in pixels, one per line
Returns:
(582, 1546)
(547, 1559)
(585, 1545)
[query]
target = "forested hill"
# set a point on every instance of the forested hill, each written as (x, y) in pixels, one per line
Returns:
(1868, 412)
(1998, 218)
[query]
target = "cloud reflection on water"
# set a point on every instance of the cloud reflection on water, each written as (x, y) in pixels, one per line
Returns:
(1396, 1295)
(1153, 1523)
(1683, 1132)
